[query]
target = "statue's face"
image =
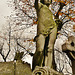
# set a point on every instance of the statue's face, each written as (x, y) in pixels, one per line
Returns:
(47, 2)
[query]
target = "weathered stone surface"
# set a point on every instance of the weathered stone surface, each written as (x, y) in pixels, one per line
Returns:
(45, 71)
(69, 47)
(73, 66)
(6, 68)
(40, 71)
(15, 68)
(22, 69)
(70, 44)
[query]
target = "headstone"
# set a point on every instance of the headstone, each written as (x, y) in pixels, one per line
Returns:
(22, 68)
(7, 68)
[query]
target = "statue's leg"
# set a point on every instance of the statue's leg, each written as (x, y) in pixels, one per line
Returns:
(50, 53)
(38, 56)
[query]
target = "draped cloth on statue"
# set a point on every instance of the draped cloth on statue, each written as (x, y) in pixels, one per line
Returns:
(45, 20)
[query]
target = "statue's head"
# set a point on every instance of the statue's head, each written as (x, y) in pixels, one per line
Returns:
(46, 2)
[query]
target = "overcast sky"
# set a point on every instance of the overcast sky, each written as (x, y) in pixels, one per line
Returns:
(4, 12)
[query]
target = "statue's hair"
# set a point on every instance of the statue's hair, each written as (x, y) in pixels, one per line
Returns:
(42, 1)
(51, 1)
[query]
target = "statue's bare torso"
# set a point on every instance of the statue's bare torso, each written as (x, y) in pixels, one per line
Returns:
(45, 20)
(46, 28)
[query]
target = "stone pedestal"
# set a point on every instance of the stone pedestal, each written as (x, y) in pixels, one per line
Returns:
(15, 68)
(22, 69)
(45, 71)
(7, 68)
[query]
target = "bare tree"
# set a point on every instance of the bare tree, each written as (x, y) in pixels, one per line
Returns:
(26, 18)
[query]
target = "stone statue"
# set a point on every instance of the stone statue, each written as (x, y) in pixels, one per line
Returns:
(46, 35)
(69, 49)
(45, 71)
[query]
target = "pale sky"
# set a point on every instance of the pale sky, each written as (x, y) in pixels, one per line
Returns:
(4, 12)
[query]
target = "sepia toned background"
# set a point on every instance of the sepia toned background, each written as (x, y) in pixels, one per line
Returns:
(18, 27)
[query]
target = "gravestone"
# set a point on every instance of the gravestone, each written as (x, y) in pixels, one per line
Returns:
(15, 68)
(7, 68)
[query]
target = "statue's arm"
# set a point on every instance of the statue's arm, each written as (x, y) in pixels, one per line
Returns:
(36, 4)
